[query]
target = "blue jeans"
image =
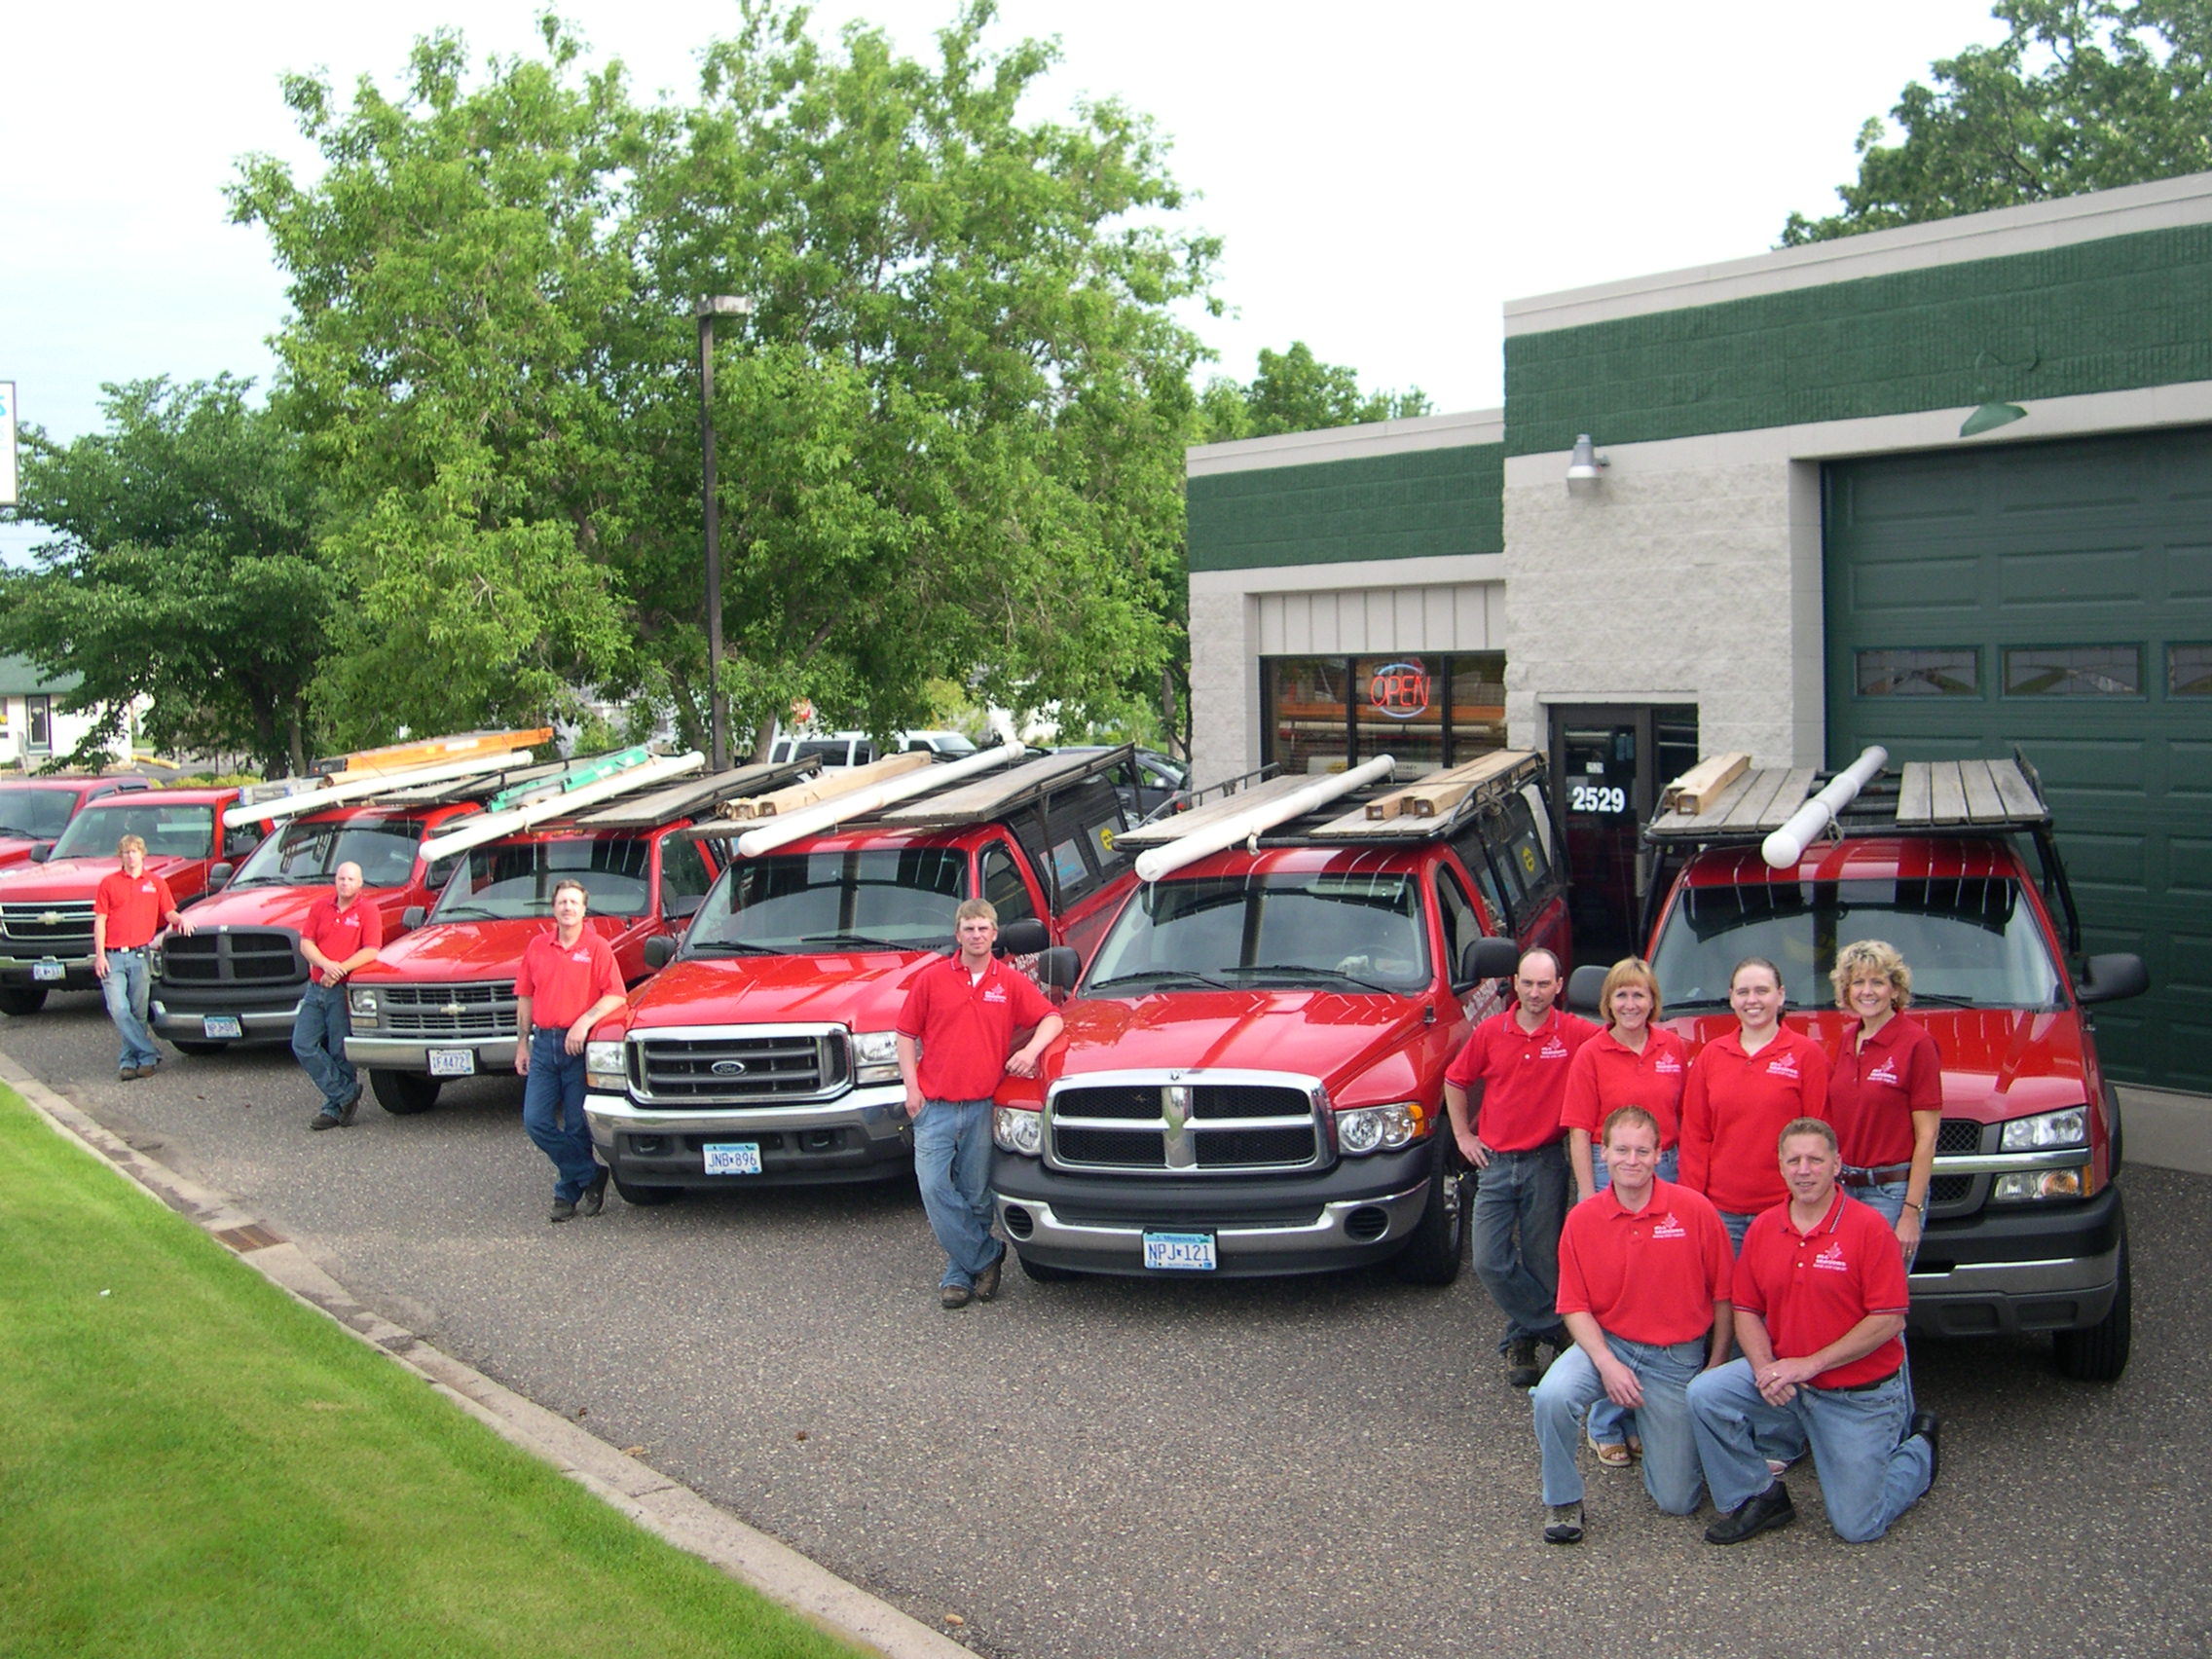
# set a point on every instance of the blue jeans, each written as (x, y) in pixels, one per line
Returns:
(1671, 1471)
(1610, 1425)
(318, 1043)
(124, 990)
(1520, 1203)
(553, 1112)
(1869, 1473)
(1737, 1226)
(952, 1162)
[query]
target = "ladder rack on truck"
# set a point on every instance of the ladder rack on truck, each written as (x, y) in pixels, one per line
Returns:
(1434, 807)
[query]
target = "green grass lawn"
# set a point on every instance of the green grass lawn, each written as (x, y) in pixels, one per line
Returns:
(193, 1463)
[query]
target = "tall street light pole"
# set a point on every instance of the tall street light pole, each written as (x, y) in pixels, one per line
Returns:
(710, 308)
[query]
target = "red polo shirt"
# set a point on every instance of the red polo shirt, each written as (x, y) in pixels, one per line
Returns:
(1523, 1074)
(1873, 1091)
(341, 934)
(1650, 1276)
(965, 1026)
(134, 907)
(1606, 1074)
(1812, 1287)
(1734, 1110)
(563, 982)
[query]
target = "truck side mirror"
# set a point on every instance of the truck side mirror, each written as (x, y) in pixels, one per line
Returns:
(42, 852)
(1586, 988)
(1025, 937)
(411, 918)
(1058, 967)
(219, 876)
(1490, 958)
(660, 950)
(2110, 978)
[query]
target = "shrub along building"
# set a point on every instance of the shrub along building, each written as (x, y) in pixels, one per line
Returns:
(1947, 488)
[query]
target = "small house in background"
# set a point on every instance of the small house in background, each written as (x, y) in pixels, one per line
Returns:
(33, 726)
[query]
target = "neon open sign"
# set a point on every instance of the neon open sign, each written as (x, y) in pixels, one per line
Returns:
(1400, 689)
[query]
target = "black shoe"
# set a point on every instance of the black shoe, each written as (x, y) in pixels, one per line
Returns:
(594, 1194)
(326, 1120)
(987, 1281)
(348, 1106)
(1520, 1368)
(954, 1296)
(1928, 1427)
(1558, 1341)
(1564, 1524)
(563, 1209)
(1767, 1510)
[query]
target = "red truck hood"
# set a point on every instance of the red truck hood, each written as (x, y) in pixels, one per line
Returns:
(264, 906)
(13, 850)
(864, 993)
(1998, 1063)
(470, 950)
(75, 878)
(1323, 1034)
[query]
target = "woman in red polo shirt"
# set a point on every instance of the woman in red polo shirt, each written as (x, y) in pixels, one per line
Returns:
(1885, 1088)
(1744, 1088)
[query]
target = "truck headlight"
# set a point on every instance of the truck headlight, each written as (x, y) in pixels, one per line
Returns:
(363, 1003)
(876, 1057)
(1018, 1131)
(602, 1066)
(2070, 1128)
(2029, 1185)
(1376, 1129)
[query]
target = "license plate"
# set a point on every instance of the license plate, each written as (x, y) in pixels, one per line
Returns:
(452, 1062)
(733, 1157)
(47, 969)
(1180, 1252)
(220, 1025)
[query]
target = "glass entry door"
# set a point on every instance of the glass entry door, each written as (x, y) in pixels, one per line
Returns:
(1609, 762)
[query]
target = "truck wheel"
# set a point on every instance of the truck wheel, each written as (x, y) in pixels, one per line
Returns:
(1438, 1243)
(2099, 1354)
(645, 1197)
(19, 1000)
(197, 1050)
(1043, 1274)
(404, 1094)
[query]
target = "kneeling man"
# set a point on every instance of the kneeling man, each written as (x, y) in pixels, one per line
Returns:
(1819, 1306)
(1644, 1285)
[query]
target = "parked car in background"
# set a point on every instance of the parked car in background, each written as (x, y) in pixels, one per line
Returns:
(1159, 777)
(35, 810)
(838, 750)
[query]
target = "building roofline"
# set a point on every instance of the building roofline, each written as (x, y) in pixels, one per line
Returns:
(1348, 443)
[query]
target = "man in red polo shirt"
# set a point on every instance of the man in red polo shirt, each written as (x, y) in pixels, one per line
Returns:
(955, 1042)
(568, 983)
(338, 935)
(1820, 1296)
(1503, 1094)
(1645, 1270)
(128, 908)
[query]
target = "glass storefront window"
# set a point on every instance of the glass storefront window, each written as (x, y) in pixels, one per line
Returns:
(1305, 720)
(1322, 714)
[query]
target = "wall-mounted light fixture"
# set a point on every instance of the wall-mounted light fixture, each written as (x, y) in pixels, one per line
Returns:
(1991, 416)
(1584, 465)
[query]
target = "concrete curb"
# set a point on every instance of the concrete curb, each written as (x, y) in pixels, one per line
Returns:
(665, 1507)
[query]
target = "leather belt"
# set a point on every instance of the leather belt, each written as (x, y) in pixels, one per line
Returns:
(1875, 1176)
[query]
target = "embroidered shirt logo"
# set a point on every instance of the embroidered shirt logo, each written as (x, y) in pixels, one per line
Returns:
(1832, 1259)
(1670, 1229)
(1886, 1072)
(1553, 1050)
(1666, 1065)
(1785, 1066)
(996, 994)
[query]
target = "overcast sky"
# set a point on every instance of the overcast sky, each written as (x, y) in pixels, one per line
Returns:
(1385, 175)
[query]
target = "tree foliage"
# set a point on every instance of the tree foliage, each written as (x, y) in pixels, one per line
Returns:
(184, 571)
(2079, 96)
(1294, 391)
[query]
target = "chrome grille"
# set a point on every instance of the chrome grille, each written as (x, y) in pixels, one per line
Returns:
(235, 956)
(60, 929)
(1188, 1122)
(740, 1066)
(481, 1008)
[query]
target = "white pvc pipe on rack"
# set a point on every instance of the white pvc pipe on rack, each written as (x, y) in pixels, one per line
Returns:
(1788, 844)
(479, 828)
(789, 827)
(355, 786)
(1156, 862)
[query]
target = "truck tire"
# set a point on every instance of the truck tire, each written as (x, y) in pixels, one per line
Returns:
(645, 1197)
(2099, 1354)
(1043, 1274)
(19, 1000)
(1438, 1243)
(404, 1094)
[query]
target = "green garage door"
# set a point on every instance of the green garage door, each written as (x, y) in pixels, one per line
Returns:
(2057, 596)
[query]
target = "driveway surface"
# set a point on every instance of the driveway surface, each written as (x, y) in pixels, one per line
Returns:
(1153, 1470)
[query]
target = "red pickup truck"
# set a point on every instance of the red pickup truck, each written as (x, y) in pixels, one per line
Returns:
(1252, 1075)
(763, 1054)
(37, 809)
(45, 907)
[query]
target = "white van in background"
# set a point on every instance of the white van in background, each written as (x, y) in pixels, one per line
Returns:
(841, 750)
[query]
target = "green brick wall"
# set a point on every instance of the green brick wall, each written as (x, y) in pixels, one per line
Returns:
(2107, 316)
(1389, 507)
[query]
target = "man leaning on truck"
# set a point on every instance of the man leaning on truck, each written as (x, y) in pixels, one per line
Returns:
(339, 933)
(568, 983)
(128, 908)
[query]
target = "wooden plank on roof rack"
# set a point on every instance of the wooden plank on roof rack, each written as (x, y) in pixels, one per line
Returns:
(2021, 802)
(1797, 786)
(1915, 794)
(1751, 808)
(1435, 793)
(689, 796)
(1984, 805)
(1178, 824)
(1715, 812)
(826, 785)
(1696, 790)
(1947, 796)
(987, 796)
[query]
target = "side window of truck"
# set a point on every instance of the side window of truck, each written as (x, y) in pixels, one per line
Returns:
(1082, 827)
(1461, 925)
(1004, 887)
(683, 871)
(1493, 870)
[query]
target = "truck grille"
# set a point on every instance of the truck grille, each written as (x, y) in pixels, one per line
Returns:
(1188, 1125)
(236, 956)
(483, 1008)
(754, 1067)
(60, 929)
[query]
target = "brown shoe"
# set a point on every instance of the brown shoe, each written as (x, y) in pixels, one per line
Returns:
(987, 1281)
(1520, 1368)
(954, 1296)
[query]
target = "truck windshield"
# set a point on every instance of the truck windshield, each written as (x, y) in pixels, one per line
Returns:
(1971, 943)
(36, 815)
(1352, 932)
(309, 854)
(795, 903)
(171, 830)
(518, 880)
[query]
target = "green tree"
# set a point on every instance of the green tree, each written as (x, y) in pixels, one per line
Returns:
(184, 571)
(2079, 96)
(1294, 391)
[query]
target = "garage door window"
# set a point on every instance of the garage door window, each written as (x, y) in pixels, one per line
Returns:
(1936, 673)
(2188, 670)
(2074, 670)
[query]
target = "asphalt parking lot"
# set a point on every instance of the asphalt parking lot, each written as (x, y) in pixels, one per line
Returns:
(1135, 1470)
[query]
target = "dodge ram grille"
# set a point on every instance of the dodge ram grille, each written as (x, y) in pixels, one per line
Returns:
(1193, 1127)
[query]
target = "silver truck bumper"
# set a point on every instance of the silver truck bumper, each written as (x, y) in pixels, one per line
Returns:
(411, 1054)
(2000, 1298)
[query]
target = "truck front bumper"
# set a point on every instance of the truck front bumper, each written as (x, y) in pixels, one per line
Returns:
(2020, 1269)
(76, 973)
(862, 1135)
(1358, 1212)
(272, 1021)
(491, 1055)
